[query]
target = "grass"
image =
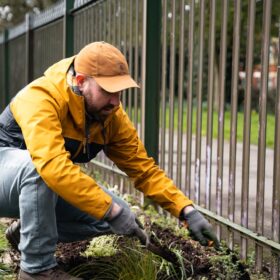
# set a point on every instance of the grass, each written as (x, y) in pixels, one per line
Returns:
(240, 126)
(254, 133)
(6, 272)
(227, 119)
(130, 262)
(3, 240)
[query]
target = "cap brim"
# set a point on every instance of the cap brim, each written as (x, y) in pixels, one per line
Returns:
(116, 83)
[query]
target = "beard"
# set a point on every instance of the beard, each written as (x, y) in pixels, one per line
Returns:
(99, 114)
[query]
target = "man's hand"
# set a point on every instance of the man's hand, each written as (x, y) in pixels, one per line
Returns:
(199, 228)
(122, 220)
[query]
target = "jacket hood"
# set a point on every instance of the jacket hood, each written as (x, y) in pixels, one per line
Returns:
(57, 74)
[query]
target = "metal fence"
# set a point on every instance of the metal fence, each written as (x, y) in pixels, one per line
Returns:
(204, 68)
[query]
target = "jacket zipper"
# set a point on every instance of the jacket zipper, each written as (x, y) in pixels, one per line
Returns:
(86, 139)
(103, 131)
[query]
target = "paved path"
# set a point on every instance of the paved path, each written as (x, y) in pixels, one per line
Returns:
(252, 179)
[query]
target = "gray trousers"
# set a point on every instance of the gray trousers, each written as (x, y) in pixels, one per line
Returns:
(45, 217)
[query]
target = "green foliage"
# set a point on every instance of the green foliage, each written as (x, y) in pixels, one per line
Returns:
(166, 222)
(227, 265)
(136, 264)
(13, 12)
(6, 273)
(105, 245)
(132, 262)
(178, 272)
(230, 269)
(3, 240)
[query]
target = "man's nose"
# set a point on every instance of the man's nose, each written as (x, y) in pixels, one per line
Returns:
(115, 99)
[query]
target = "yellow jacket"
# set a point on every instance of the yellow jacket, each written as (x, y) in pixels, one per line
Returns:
(52, 119)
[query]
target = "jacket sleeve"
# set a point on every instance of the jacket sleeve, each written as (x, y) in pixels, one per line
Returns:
(127, 151)
(38, 116)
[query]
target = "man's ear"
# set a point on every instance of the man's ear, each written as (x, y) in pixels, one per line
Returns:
(80, 80)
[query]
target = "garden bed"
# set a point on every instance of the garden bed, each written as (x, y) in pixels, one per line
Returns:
(124, 258)
(132, 261)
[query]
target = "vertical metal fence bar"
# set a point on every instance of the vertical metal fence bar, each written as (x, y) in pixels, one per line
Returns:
(109, 21)
(85, 26)
(276, 178)
(197, 187)
(125, 26)
(94, 24)
(119, 11)
(68, 27)
(89, 22)
(91, 31)
(221, 117)
(75, 33)
(28, 49)
(262, 128)
(79, 33)
(45, 49)
(163, 85)
(210, 94)
(82, 33)
(124, 96)
(102, 25)
(94, 30)
(143, 70)
(43, 35)
(6, 68)
(130, 55)
(180, 94)
(171, 89)
(114, 25)
(247, 124)
(84, 29)
(117, 17)
(153, 77)
(104, 13)
(233, 118)
(190, 99)
(92, 34)
(136, 63)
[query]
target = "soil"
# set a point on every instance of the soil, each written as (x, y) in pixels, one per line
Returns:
(197, 259)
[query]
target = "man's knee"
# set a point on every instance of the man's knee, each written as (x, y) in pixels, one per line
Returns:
(25, 160)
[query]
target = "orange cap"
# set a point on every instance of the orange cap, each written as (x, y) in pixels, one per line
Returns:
(106, 64)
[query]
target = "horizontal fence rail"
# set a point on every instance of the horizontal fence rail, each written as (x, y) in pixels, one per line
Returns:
(209, 99)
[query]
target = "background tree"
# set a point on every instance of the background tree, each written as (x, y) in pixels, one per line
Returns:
(13, 12)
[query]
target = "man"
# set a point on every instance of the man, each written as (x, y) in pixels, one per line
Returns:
(65, 117)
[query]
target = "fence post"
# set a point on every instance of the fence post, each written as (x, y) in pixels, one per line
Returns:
(29, 49)
(68, 28)
(152, 79)
(6, 67)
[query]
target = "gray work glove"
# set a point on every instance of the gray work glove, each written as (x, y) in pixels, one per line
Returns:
(124, 222)
(200, 229)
